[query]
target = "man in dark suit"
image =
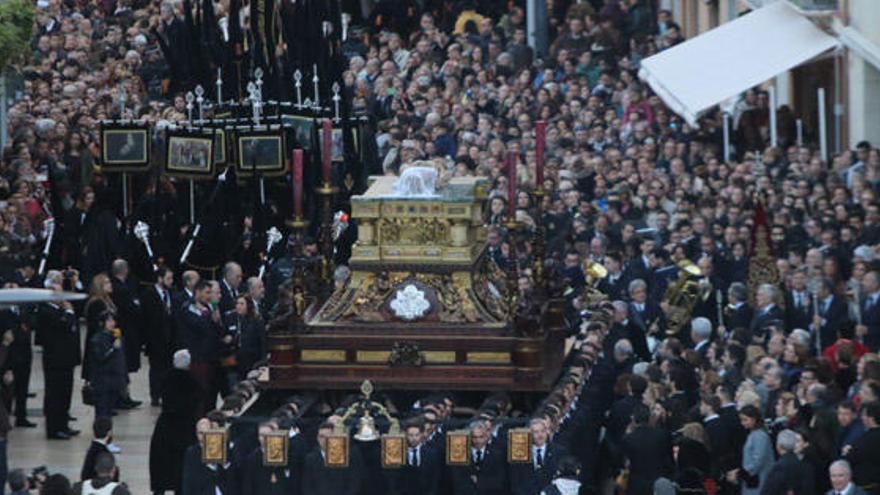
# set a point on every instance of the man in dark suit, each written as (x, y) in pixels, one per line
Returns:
(486, 473)
(102, 428)
(737, 314)
(158, 326)
(620, 414)
(229, 286)
(210, 479)
(61, 354)
(614, 284)
(767, 312)
(642, 266)
(128, 316)
(717, 431)
(182, 298)
(15, 318)
(840, 474)
(649, 451)
(318, 479)
(798, 303)
(789, 474)
(644, 313)
(529, 479)
(864, 455)
(200, 332)
(424, 465)
(730, 418)
(869, 330)
(833, 315)
(259, 479)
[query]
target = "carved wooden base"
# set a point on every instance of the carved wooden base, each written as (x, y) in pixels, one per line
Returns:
(415, 362)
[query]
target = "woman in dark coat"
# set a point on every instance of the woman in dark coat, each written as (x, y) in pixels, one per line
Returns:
(249, 333)
(175, 428)
(692, 459)
(99, 302)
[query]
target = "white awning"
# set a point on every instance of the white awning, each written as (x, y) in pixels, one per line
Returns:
(719, 64)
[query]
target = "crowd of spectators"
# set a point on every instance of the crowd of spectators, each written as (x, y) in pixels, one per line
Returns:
(763, 396)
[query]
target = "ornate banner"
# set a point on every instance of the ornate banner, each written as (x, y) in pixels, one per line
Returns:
(519, 446)
(275, 448)
(458, 448)
(393, 451)
(762, 264)
(337, 451)
(214, 446)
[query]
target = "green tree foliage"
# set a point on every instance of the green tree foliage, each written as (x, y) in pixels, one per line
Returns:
(16, 26)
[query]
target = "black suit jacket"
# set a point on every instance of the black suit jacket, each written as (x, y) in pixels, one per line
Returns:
(424, 479)
(318, 479)
(763, 318)
(88, 469)
(798, 317)
(227, 298)
(257, 479)
(199, 479)
(487, 478)
(21, 350)
(871, 319)
(834, 317)
(525, 479)
(60, 336)
(737, 434)
(740, 317)
(636, 269)
(721, 442)
(651, 313)
(789, 473)
(158, 324)
(129, 319)
(865, 458)
(200, 335)
(649, 451)
(613, 289)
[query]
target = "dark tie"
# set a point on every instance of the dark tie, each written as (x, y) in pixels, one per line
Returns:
(166, 301)
(540, 457)
(479, 457)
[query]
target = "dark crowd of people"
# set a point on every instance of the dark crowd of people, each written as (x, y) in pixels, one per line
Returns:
(765, 389)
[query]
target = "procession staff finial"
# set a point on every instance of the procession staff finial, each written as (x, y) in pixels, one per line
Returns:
(315, 81)
(336, 99)
(297, 83)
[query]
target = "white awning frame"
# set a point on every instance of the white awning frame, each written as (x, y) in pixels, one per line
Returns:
(700, 73)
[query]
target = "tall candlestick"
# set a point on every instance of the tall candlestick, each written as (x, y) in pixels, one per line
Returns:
(511, 185)
(540, 136)
(297, 183)
(328, 150)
